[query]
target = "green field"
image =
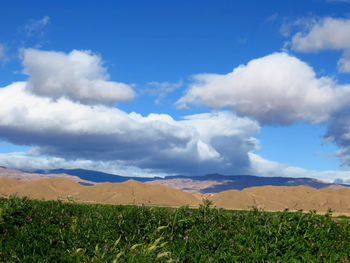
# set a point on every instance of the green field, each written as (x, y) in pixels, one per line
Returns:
(54, 231)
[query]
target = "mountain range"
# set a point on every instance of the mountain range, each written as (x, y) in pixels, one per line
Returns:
(230, 192)
(210, 183)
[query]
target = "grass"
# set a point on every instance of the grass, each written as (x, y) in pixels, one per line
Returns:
(56, 231)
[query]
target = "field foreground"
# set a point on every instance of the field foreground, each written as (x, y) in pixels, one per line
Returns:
(55, 231)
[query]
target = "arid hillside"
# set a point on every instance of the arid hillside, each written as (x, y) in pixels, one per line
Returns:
(130, 192)
(275, 198)
(269, 198)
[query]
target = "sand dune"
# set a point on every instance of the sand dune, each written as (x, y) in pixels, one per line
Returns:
(276, 198)
(138, 193)
(269, 198)
(41, 189)
(130, 192)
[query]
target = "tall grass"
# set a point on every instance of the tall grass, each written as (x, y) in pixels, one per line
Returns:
(56, 231)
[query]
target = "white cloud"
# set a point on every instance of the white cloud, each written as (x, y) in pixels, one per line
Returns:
(304, 23)
(275, 89)
(47, 114)
(279, 89)
(156, 143)
(327, 33)
(24, 160)
(35, 27)
(223, 133)
(258, 166)
(263, 167)
(78, 76)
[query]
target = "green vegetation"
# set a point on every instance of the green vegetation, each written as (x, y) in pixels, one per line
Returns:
(54, 231)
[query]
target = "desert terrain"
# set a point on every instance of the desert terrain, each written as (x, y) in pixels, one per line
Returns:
(268, 198)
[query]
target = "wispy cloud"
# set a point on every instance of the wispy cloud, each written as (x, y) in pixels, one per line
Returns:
(303, 24)
(36, 27)
(161, 89)
(272, 18)
(2, 52)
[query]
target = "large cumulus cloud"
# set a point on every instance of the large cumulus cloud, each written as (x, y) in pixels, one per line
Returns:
(78, 76)
(70, 130)
(275, 89)
(279, 89)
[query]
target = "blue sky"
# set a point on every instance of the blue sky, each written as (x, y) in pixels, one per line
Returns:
(177, 87)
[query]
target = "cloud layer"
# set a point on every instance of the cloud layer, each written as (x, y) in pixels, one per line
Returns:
(264, 167)
(275, 89)
(64, 112)
(78, 76)
(157, 142)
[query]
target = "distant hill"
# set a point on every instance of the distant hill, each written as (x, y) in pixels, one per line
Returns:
(90, 175)
(211, 183)
(233, 192)
(240, 182)
(129, 192)
(32, 176)
(269, 198)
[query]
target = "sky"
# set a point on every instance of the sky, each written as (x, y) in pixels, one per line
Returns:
(155, 88)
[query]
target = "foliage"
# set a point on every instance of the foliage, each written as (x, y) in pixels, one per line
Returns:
(54, 231)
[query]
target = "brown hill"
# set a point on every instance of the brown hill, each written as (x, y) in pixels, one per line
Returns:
(130, 192)
(269, 198)
(133, 192)
(275, 198)
(7, 185)
(41, 189)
